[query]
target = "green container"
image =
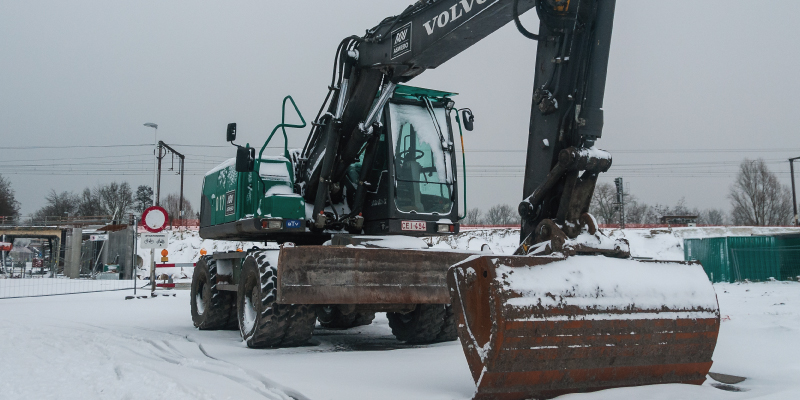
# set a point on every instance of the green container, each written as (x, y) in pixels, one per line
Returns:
(756, 258)
(789, 246)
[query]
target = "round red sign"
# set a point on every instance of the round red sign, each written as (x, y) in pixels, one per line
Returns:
(154, 219)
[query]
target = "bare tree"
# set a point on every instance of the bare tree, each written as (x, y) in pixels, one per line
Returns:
(115, 199)
(758, 198)
(58, 205)
(172, 204)
(501, 214)
(89, 203)
(602, 206)
(474, 217)
(636, 212)
(143, 198)
(713, 217)
(9, 206)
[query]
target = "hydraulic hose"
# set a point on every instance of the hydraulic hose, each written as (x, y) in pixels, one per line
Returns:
(528, 34)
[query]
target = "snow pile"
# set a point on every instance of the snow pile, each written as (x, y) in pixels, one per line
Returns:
(184, 247)
(657, 244)
(500, 240)
(391, 242)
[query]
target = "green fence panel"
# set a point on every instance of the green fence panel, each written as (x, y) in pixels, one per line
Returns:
(713, 256)
(789, 246)
(756, 258)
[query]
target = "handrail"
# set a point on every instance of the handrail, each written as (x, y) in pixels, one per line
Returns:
(283, 125)
(464, 166)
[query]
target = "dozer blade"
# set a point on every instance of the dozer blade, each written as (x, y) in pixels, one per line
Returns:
(539, 327)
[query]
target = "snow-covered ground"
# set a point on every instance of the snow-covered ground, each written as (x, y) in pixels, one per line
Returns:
(100, 346)
(659, 243)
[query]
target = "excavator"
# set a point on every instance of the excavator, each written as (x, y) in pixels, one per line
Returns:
(569, 311)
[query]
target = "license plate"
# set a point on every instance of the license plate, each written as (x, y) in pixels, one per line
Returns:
(414, 226)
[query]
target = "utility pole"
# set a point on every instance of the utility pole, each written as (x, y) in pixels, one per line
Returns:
(794, 192)
(162, 145)
(620, 201)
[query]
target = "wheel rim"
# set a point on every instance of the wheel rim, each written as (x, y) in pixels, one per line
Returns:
(250, 313)
(199, 298)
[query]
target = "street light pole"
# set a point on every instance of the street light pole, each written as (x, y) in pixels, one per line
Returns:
(155, 162)
(155, 203)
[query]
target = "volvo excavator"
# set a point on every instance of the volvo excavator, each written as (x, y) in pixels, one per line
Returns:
(570, 311)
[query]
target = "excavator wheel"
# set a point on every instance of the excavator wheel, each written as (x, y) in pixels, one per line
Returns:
(211, 308)
(333, 318)
(262, 321)
(428, 323)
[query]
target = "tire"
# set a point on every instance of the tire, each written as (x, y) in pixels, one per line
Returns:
(428, 323)
(449, 331)
(211, 308)
(262, 321)
(332, 318)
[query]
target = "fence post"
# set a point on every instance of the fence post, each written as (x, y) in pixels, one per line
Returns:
(74, 269)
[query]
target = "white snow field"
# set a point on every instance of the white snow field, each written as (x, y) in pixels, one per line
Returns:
(100, 346)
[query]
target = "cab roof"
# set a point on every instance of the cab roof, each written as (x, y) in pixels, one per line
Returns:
(413, 92)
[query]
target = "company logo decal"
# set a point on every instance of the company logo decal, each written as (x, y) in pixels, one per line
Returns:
(454, 13)
(230, 202)
(401, 40)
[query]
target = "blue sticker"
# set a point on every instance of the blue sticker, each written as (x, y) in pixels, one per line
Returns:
(293, 223)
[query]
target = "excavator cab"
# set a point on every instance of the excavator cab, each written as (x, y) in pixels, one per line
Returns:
(413, 179)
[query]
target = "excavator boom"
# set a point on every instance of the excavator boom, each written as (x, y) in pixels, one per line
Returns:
(571, 311)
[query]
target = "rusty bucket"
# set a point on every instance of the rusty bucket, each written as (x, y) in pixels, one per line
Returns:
(539, 327)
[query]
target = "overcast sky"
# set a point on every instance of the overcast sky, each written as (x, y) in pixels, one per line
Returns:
(693, 88)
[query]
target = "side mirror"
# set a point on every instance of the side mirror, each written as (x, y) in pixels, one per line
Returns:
(245, 159)
(469, 120)
(231, 132)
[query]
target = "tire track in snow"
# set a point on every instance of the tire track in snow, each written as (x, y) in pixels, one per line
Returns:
(257, 382)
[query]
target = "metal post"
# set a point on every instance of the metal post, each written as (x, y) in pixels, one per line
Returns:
(133, 251)
(4, 254)
(158, 179)
(794, 193)
(183, 219)
(75, 253)
(620, 201)
(156, 184)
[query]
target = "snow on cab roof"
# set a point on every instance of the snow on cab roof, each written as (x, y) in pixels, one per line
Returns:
(227, 163)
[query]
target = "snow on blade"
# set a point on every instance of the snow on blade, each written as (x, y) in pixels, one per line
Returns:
(607, 284)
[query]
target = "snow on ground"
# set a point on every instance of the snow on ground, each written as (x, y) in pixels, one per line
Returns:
(99, 346)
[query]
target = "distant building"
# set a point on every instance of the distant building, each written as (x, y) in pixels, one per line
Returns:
(687, 220)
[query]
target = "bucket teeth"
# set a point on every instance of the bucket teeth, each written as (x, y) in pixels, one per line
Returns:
(545, 326)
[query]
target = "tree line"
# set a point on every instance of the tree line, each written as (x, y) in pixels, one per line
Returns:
(756, 198)
(115, 200)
